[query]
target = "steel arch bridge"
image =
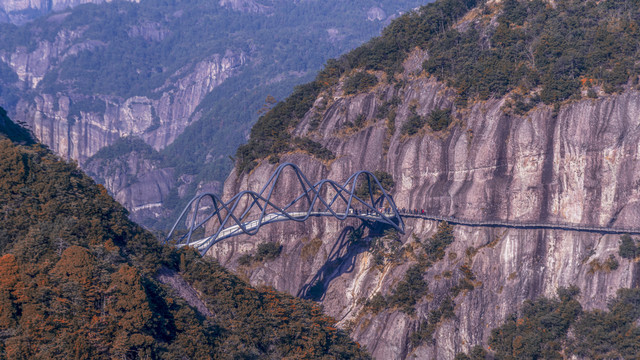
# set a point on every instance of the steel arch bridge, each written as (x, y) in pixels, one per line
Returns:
(325, 198)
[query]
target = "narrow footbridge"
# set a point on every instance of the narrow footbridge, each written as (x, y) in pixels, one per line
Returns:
(362, 197)
(519, 224)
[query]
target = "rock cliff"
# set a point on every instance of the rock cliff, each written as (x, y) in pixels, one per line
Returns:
(576, 164)
(79, 133)
(141, 184)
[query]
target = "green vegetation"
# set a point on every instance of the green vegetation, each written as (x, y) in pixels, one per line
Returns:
(86, 105)
(414, 29)
(559, 49)
(359, 82)
(12, 131)
(385, 179)
(125, 146)
(435, 247)
(438, 119)
(609, 334)
(559, 328)
(476, 353)
(414, 123)
(270, 135)
(628, 248)
(413, 286)
(386, 248)
(428, 327)
(608, 265)
(313, 148)
(79, 281)
(386, 108)
(408, 291)
(538, 331)
(266, 251)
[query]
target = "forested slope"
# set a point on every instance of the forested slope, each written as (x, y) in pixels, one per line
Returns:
(79, 281)
(533, 51)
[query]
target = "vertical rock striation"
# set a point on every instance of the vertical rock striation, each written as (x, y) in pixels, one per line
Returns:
(579, 165)
(158, 118)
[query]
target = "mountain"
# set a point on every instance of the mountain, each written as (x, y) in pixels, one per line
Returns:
(21, 12)
(506, 111)
(81, 281)
(188, 78)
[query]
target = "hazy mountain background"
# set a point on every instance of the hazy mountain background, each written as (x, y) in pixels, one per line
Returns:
(182, 81)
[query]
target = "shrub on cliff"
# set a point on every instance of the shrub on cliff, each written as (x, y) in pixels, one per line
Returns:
(314, 148)
(476, 353)
(408, 291)
(358, 82)
(268, 251)
(537, 332)
(439, 119)
(385, 179)
(414, 123)
(265, 251)
(628, 248)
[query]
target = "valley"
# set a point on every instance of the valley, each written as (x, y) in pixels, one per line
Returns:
(464, 186)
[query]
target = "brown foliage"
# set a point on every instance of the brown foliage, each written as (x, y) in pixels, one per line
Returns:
(77, 281)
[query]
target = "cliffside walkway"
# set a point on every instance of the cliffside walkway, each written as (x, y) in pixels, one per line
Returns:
(360, 197)
(522, 224)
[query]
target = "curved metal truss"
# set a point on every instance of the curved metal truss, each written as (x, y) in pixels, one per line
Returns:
(324, 198)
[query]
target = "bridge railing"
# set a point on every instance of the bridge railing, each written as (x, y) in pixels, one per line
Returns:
(520, 223)
(374, 200)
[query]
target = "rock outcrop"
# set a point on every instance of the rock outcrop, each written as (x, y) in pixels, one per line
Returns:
(158, 119)
(136, 181)
(578, 164)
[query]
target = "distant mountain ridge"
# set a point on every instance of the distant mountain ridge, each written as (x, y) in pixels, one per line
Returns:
(21, 12)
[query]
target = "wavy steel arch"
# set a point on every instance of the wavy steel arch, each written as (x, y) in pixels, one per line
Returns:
(381, 209)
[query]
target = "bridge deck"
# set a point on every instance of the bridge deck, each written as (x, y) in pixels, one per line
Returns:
(272, 218)
(524, 224)
(277, 217)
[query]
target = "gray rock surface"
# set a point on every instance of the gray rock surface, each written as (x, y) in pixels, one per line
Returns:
(158, 119)
(578, 166)
(138, 183)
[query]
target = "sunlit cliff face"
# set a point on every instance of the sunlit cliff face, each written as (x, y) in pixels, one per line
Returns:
(577, 166)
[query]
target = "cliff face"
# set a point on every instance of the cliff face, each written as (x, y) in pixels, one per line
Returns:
(576, 165)
(79, 134)
(138, 183)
